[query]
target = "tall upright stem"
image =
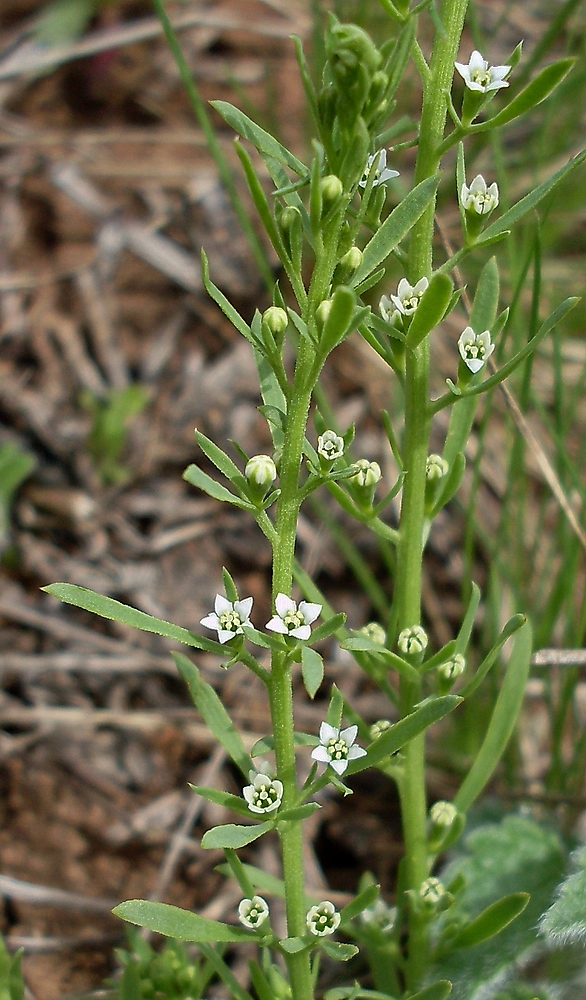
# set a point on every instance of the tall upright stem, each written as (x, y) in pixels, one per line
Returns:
(416, 446)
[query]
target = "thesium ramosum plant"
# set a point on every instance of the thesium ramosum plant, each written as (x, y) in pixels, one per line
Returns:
(330, 224)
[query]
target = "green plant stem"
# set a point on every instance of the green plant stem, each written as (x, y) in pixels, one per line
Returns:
(416, 447)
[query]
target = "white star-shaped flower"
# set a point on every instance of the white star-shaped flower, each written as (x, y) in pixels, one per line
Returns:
(330, 446)
(337, 747)
(264, 794)
(479, 197)
(228, 618)
(293, 620)
(323, 919)
(382, 173)
(479, 76)
(253, 912)
(475, 348)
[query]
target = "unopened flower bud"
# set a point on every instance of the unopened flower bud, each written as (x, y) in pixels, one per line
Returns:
(368, 474)
(323, 311)
(412, 641)
(331, 188)
(378, 728)
(452, 668)
(288, 217)
(351, 260)
(374, 632)
(261, 471)
(443, 814)
(436, 467)
(276, 319)
(431, 893)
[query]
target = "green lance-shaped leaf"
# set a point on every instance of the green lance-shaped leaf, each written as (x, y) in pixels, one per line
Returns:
(264, 142)
(337, 950)
(233, 836)
(436, 991)
(490, 922)
(339, 321)
(362, 901)
(512, 626)
(564, 924)
(502, 721)
(529, 202)
(107, 607)
(213, 713)
(431, 711)
(312, 670)
(220, 459)
(177, 923)
(431, 310)
(536, 92)
(200, 479)
(395, 228)
(220, 299)
(225, 799)
(467, 625)
(261, 203)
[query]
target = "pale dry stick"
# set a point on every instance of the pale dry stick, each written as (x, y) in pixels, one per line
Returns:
(51, 945)
(559, 658)
(43, 895)
(30, 665)
(550, 475)
(101, 325)
(30, 57)
(193, 809)
(16, 610)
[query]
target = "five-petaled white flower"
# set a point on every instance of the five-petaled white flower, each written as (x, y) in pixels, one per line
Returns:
(479, 198)
(228, 617)
(382, 173)
(323, 919)
(475, 348)
(253, 912)
(412, 640)
(264, 794)
(330, 446)
(479, 76)
(337, 747)
(293, 620)
(405, 301)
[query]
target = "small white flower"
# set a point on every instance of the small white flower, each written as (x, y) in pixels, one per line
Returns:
(452, 668)
(382, 173)
(408, 296)
(381, 915)
(323, 919)
(478, 197)
(479, 76)
(412, 640)
(293, 620)
(436, 467)
(369, 473)
(330, 446)
(337, 747)
(228, 618)
(475, 348)
(253, 912)
(264, 795)
(443, 814)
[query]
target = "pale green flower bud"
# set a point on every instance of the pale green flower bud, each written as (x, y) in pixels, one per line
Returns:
(330, 446)
(331, 188)
(452, 668)
(288, 217)
(374, 632)
(276, 319)
(436, 467)
(413, 641)
(380, 915)
(323, 311)
(369, 473)
(378, 728)
(261, 471)
(351, 260)
(443, 814)
(431, 893)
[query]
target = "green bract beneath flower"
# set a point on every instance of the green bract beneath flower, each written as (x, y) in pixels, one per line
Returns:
(323, 919)
(228, 617)
(479, 76)
(253, 912)
(264, 794)
(479, 198)
(412, 640)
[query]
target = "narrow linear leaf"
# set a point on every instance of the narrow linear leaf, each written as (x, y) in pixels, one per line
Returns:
(232, 836)
(431, 310)
(312, 670)
(512, 626)
(437, 991)
(107, 607)
(395, 227)
(220, 459)
(264, 142)
(402, 732)
(536, 92)
(177, 923)
(491, 921)
(213, 713)
(220, 798)
(225, 305)
(502, 721)
(200, 479)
